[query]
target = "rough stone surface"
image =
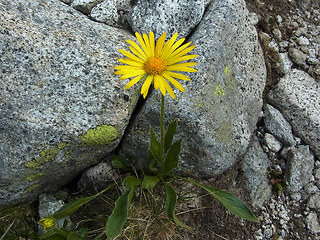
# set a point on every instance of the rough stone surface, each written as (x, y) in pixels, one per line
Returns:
(299, 168)
(273, 144)
(277, 125)
(312, 222)
(255, 167)
(85, 6)
(62, 107)
(111, 12)
(218, 112)
(98, 176)
(298, 57)
(314, 201)
(297, 97)
(48, 205)
(168, 16)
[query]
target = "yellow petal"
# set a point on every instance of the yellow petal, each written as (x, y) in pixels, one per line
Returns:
(156, 82)
(178, 75)
(184, 46)
(131, 56)
(159, 44)
(174, 82)
(169, 44)
(143, 45)
(130, 62)
(133, 44)
(137, 53)
(162, 86)
(151, 40)
(133, 81)
(174, 47)
(131, 74)
(146, 86)
(180, 68)
(180, 59)
(168, 88)
(184, 52)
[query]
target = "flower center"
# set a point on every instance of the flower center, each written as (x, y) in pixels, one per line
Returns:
(155, 66)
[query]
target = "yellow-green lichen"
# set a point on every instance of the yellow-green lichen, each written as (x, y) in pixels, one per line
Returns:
(219, 90)
(46, 155)
(31, 188)
(101, 135)
(33, 177)
(224, 133)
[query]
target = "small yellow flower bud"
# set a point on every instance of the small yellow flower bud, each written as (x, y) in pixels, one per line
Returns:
(48, 223)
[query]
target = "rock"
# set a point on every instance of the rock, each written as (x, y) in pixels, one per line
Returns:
(303, 41)
(85, 6)
(299, 168)
(277, 34)
(98, 176)
(298, 57)
(67, 1)
(255, 167)
(111, 12)
(218, 113)
(314, 201)
(312, 222)
(303, 4)
(62, 107)
(273, 144)
(168, 16)
(278, 126)
(297, 97)
(48, 205)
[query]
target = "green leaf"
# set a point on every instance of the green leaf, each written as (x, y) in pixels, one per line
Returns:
(171, 201)
(149, 182)
(131, 182)
(231, 202)
(117, 162)
(118, 217)
(172, 157)
(55, 234)
(154, 147)
(73, 206)
(74, 236)
(171, 130)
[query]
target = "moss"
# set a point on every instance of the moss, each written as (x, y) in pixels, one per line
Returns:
(31, 188)
(33, 177)
(225, 132)
(101, 135)
(46, 155)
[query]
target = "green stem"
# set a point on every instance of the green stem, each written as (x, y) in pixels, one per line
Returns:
(162, 130)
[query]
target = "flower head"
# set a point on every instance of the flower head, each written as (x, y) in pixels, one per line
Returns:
(48, 223)
(157, 63)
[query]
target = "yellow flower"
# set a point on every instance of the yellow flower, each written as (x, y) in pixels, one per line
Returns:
(157, 63)
(48, 223)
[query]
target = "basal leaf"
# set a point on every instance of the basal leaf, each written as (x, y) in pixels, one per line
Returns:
(169, 134)
(118, 217)
(171, 201)
(117, 162)
(73, 206)
(131, 182)
(149, 182)
(74, 236)
(172, 157)
(232, 203)
(154, 147)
